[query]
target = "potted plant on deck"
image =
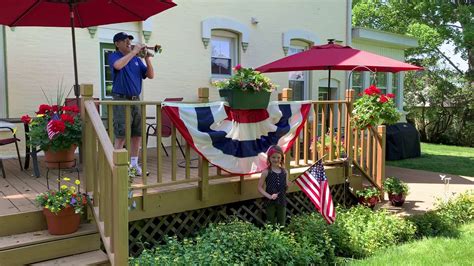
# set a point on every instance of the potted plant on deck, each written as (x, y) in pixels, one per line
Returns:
(368, 196)
(62, 208)
(246, 89)
(374, 108)
(396, 189)
(57, 130)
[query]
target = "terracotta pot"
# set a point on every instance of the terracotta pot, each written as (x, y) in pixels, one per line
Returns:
(370, 202)
(60, 159)
(396, 199)
(64, 222)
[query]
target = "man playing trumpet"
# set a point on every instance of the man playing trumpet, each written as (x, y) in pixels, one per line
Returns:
(128, 71)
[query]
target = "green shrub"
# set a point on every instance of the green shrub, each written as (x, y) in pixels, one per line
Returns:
(443, 221)
(431, 224)
(362, 231)
(234, 243)
(458, 210)
(314, 229)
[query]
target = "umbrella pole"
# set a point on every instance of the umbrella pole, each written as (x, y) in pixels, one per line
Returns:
(329, 98)
(329, 84)
(76, 80)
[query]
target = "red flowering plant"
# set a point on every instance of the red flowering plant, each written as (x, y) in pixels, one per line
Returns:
(246, 79)
(374, 108)
(55, 127)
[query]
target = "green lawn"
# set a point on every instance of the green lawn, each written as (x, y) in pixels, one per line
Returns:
(430, 251)
(441, 158)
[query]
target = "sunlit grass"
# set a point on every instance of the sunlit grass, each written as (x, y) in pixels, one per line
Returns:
(441, 158)
(430, 251)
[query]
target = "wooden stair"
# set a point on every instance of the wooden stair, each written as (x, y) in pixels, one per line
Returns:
(97, 257)
(38, 246)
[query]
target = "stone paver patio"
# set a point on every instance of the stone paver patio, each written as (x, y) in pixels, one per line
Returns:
(425, 187)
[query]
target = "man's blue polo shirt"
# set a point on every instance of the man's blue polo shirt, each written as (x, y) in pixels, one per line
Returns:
(128, 80)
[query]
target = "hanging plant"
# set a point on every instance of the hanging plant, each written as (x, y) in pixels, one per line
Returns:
(374, 108)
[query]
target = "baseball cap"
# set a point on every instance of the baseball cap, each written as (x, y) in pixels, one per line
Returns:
(122, 36)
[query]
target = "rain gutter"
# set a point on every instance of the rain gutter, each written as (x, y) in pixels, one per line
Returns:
(3, 74)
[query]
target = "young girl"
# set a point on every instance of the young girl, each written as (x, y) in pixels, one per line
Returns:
(276, 184)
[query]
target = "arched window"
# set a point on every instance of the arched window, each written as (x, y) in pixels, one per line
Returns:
(298, 81)
(293, 42)
(226, 37)
(224, 52)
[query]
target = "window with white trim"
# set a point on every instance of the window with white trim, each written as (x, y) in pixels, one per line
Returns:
(224, 53)
(357, 82)
(381, 78)
(396, 86)
(106, 72)
(298, 80)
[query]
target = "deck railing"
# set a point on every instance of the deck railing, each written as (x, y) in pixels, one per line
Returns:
(327, 134)
(106, 172)
(369, 153)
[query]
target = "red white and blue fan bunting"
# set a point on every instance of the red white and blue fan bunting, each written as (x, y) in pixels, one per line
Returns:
(236, 140)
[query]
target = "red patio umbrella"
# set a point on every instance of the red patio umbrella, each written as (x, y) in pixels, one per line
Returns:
(333, 56)
(77, 13)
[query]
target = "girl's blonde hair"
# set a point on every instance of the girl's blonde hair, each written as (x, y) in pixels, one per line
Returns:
(274, 149)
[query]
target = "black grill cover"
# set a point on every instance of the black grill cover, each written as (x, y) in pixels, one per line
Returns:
(403, 141)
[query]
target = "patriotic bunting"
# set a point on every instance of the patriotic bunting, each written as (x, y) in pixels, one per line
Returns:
(236, 140)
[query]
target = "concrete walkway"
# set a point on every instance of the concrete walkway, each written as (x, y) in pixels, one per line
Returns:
(425, 187)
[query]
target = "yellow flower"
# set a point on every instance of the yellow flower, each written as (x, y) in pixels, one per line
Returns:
(77, 182)
(39, 115)
(67, 179)
(46, 206)
(63, 187)
(72, 189)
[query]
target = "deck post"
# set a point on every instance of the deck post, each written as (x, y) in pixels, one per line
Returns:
(381, 131)
(348, 137)
(286, 96)
(87, 138)
(203, 95)
(120, 207)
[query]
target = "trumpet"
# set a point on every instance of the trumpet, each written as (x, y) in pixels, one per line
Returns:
(148, 50)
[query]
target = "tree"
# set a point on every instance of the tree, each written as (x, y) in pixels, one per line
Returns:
(443, 87)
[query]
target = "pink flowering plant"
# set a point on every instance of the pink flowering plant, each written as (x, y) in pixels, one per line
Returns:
(374, 108)
(65, 127)
(246, 79)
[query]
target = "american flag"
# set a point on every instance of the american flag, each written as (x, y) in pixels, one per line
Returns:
(314, 184)
(49, 128)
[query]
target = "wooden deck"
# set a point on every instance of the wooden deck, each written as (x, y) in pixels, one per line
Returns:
(19, 189)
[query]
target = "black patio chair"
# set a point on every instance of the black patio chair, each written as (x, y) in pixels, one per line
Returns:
(7, 141)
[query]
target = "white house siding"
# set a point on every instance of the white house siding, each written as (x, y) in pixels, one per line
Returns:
(395, 53)
(40, 57)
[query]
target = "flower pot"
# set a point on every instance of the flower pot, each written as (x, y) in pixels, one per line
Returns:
(64, 222)
(60, 159)
(246, 100)
(396, 199)
(369, 202)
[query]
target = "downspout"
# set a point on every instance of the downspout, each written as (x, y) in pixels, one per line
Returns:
(3, 74)
(348, 37)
